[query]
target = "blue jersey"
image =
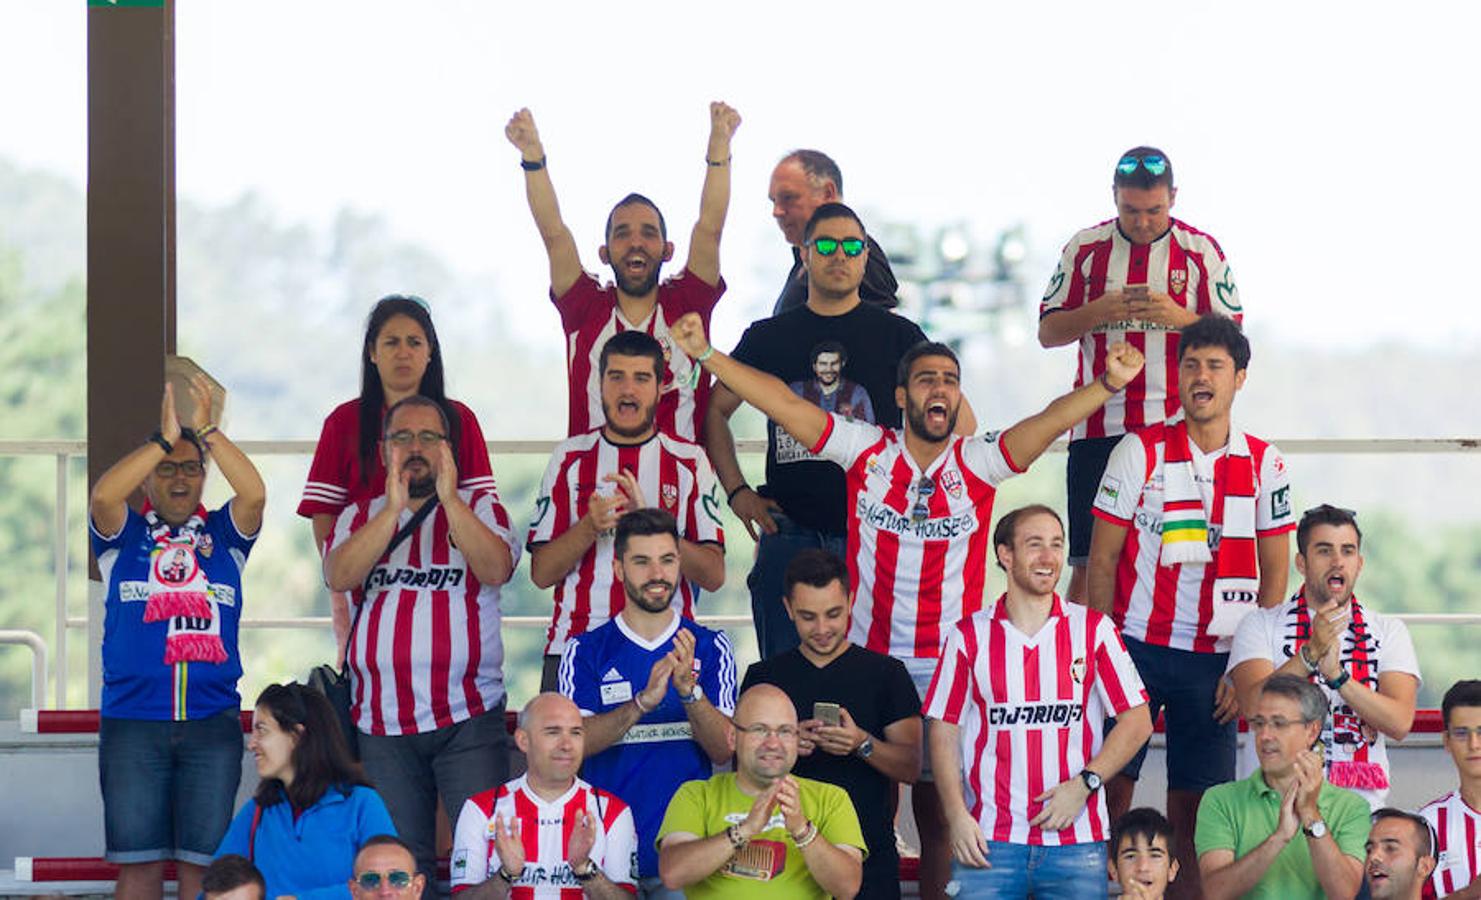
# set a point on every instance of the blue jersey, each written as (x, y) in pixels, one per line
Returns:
(600, 671)
(137, 684)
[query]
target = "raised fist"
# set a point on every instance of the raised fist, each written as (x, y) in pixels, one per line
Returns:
(522, 133)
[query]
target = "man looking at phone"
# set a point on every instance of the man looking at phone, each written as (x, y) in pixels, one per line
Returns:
(1139, 278)
(860, 723)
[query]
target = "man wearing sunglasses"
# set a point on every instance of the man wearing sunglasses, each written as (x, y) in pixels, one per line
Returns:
(1456, 817)
(800, 183)
(170, 742)
(1139, 277)
(385, 867)
(1364, 661)
(636, 246)
(918, 504)
(424, 562)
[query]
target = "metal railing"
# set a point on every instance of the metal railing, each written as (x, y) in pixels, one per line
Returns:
(63, 451)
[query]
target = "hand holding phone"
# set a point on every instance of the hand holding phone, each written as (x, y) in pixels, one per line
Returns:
(827, 713)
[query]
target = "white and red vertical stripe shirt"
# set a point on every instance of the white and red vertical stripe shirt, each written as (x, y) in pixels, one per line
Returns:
(674, 475)
(1172, 606)
(426, 651)
(1030, 710)
(918, 541)
(1458, 852)
(590, 315)
(545, 831)
(1185, 264)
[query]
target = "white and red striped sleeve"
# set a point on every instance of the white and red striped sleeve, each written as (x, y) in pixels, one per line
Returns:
(327, 489)
(486, 506)
(620, 856)
(351, 518)
(468, 864)
(989, 459)
(1274, 512)
(949, 688)
(553, 502)
(1117, 683)
(703, 519)
(1120, 490)
(1458, 849)
(844, 440)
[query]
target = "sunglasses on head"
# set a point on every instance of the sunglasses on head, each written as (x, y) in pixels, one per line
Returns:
(1154, 164)
(829, 246)
(396, 878)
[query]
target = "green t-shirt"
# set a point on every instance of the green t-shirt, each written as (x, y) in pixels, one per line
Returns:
(1240, 815)
(769, 865)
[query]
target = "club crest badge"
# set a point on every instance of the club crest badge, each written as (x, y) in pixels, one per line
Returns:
(951, 479)
(670, 494)
(204, 545)
(1177, 281)
(1077, 669)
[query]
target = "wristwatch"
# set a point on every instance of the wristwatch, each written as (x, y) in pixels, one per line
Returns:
(1317, 829)
(695, 695)
(507, 877)
(1092, 780)
(865, 749)
(587, 872)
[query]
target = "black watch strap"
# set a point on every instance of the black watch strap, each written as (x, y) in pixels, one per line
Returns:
(159, 438)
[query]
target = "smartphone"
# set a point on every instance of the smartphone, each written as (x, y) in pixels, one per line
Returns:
(827, 713)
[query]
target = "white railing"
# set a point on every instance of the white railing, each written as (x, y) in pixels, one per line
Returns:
(63, 451)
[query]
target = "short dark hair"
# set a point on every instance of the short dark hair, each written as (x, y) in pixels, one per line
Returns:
(1466, 692)
(385, 840)
(1140, 177)
(416, 400)
(229, 872)
(1216, 331)
(1142, 822)
(1326, 514)
(1313, 702)
(924, 348)
(1007, 528)
(636, 199)
(817, 568)
(632, 343)
(818, 166)
(1426, 843)
(829, 346)
(643, 523)
(832, 211)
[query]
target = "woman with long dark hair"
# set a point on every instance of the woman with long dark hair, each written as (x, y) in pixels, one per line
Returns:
(400, 356)
(313, 808)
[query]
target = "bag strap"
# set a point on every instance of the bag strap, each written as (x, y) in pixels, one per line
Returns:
(412, 524)
(252, 834)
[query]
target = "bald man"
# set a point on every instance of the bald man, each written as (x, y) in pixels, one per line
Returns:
(491, 845)
(760, 822)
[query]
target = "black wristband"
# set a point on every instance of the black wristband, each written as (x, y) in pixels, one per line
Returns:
(535, 166)
(159, 438)
(730, 497)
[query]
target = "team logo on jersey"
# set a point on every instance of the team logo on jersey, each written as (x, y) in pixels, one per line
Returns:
(1226, 292)
(175, 566)
(1177, 281)
(204, 546)
(1055, 283)
(1077, 669)
(670, 494)
(1280, 502)
(872, 463)
(951, 479)
(612, 675)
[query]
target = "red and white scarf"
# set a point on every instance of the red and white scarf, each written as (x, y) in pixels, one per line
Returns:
(1348, 765)
(1185, 524)
(179, 592)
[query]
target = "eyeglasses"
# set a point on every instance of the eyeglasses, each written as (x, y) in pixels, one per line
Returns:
(1154, 164)
(762, 732)
(396, 878)
(1260, 723)
(924, 489)
(427, 438)
(828, 246)
(190, 469)
(1462, 734)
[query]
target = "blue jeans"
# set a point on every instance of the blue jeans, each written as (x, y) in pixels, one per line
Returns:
(775, 632)
(1075, 872)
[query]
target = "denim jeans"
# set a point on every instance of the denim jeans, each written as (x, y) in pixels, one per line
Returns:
(1075, 872)
(775, 632)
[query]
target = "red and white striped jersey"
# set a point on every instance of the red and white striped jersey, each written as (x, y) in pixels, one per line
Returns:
(426, 652)
(1458, 853)
(1030, 709)
(918, 542)
(545, 830)
(590, 315)
(1185, 264)
(674, 476)
(1172, 606)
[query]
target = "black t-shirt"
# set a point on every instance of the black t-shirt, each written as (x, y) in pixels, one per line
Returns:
(812, 491)
(877, 691)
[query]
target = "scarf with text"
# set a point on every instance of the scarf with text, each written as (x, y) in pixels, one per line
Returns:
(1185, 524)
(179, 592)
(1346, 736)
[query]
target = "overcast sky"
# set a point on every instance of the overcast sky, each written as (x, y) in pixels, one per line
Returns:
(1330, 148)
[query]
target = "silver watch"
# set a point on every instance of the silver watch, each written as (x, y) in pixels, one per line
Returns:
(695, 695)
(865, 749)
(1317, 829)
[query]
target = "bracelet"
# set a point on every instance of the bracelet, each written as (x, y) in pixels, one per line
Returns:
(717, 163)
(1311, 666)
(1106, 383)
(206, 432)
(535, 166)
(638, 702)
(1337, 683)
(509, 879)
(809, 834)
(709, 352)
(587, 873)
(159, 438)
(730, 497)
(732, 834)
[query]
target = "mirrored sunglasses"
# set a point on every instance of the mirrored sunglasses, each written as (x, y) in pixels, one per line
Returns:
(829, 246)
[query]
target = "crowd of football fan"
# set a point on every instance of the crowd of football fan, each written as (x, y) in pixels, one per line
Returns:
(651, 768)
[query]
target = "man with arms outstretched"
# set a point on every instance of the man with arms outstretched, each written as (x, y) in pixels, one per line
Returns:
(636, 247)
